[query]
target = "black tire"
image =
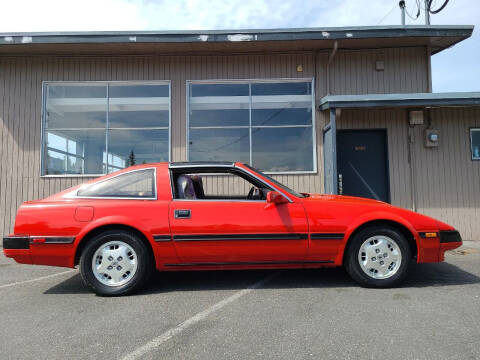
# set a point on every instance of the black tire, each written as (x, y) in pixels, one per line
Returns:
(355, 270)
(144, 263)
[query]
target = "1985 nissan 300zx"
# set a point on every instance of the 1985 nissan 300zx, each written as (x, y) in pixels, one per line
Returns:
(205, 216)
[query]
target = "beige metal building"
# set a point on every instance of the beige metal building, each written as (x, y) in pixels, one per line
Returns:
(337, 110)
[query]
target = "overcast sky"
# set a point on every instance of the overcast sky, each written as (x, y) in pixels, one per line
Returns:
(455, 69)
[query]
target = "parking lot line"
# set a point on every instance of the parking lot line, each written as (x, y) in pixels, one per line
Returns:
(156, 342)
(36, 279)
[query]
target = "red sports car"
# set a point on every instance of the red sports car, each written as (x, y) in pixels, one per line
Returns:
(206, 216)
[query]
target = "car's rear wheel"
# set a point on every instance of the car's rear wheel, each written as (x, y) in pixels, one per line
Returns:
(378, 257)
(115, 262)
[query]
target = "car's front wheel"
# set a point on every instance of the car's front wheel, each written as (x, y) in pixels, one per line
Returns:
(378, 257)
(115, 262)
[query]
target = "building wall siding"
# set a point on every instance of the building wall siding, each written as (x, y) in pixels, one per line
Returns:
(353, 72)
(446, 182)
(21, 98)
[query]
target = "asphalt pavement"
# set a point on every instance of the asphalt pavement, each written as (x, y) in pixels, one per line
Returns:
(47, 313)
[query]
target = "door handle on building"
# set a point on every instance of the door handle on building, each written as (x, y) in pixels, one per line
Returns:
(340, 184)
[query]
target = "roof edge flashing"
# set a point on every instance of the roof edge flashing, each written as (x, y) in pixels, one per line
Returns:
(400, 100)
(327, 33)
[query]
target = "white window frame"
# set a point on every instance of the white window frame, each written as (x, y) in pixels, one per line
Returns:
(250, 82)
(472, 130)
(43, 128)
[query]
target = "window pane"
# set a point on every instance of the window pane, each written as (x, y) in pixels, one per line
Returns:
(219, 145)
(134, 184)
(76, 106)
(282, 149)
(230, 117)
(219, 105)
(138, 105)
(130, 147)
(59, 163)
(286, 88)
(475, 144)
(223, 105)
(74, 151)
(281, 104)
(282, 116)
(138, 90)
(219, 90)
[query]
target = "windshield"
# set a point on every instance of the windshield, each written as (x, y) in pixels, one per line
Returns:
(280, 185)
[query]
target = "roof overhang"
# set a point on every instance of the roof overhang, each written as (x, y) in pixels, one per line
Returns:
(437, 37)
(400, 100)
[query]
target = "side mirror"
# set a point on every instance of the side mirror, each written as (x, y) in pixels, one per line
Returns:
(275, 197)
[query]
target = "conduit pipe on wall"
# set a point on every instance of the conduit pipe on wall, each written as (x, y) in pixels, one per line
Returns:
(330, 59)
(411, 161)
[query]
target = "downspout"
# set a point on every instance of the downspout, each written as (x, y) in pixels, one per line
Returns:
(330, 59)
(429, 69)
(333, 123)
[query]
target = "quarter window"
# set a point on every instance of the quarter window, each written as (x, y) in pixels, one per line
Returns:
(267, 124)
(475, 143)
(98, 128)
(134, 184)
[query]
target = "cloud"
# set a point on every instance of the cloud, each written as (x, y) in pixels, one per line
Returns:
(58, 15)
(241, 14)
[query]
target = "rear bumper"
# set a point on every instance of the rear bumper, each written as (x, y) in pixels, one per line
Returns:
(40, 250)
(16, 243)
(18, 248)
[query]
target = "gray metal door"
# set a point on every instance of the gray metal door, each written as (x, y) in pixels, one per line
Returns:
(363, 164)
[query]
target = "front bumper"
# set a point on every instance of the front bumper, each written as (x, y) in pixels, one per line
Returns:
(449, 240)
(434, 244)
(450, 236)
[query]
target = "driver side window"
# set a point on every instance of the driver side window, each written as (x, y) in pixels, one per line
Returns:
(217, 186)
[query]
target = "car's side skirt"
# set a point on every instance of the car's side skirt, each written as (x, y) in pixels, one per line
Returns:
(249, 263)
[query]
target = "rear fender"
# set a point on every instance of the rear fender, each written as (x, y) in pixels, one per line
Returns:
(110, 220)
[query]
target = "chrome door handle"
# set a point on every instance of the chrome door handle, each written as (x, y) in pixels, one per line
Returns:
(340, 184)
(183, 214)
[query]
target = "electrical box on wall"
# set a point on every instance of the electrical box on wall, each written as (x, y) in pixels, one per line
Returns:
(379, 65)
(415, 117)
(431, 138)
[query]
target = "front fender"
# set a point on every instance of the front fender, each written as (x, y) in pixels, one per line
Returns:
(371, 217)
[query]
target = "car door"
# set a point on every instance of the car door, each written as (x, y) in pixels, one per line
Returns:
(226, 230)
